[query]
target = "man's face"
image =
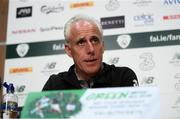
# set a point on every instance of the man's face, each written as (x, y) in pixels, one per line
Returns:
(85, 47)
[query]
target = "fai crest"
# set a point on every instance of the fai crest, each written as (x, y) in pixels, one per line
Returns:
(22, 49)
(124, 40)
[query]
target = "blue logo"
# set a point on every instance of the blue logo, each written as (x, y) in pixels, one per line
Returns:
(144, 19)
(171, 2)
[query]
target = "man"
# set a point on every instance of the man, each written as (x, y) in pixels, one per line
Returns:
(85, 45)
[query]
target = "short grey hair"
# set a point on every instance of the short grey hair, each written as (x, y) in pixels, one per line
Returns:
(77, 18)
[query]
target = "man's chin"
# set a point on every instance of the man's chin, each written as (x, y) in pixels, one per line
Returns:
(92, 72)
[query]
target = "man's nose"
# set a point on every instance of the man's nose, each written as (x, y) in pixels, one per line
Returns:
(90, 47)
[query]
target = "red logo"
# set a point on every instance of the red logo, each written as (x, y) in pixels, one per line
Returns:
(23, 31)
(169, 17)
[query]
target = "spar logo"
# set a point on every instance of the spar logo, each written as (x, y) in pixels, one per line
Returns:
(24, 12)
(20, 70)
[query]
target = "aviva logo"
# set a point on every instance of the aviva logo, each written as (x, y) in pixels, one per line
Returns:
(171, 2)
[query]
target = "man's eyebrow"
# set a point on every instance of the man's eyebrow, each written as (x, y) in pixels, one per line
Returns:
(95, 37)
(80, 39)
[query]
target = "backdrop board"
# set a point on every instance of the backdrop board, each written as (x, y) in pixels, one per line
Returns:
(141, 34)
(104, 103)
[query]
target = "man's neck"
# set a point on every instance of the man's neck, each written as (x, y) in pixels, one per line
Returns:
(81, 76)
(84, 76)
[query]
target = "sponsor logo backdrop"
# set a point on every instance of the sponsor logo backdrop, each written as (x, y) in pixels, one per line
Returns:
(141, 34)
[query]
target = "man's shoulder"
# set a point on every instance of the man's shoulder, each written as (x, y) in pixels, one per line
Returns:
(124, 74)
(59, 75)
(112, 67)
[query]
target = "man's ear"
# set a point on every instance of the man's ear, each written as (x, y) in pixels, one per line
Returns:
(68, 49)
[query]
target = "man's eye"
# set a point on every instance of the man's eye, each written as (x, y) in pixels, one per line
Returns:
(81, 42)
(95, 40)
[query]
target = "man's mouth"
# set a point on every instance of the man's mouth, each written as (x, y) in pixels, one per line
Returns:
(90, 60)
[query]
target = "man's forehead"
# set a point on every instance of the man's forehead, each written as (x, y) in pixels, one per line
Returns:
(83, 29)
(81, 23)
